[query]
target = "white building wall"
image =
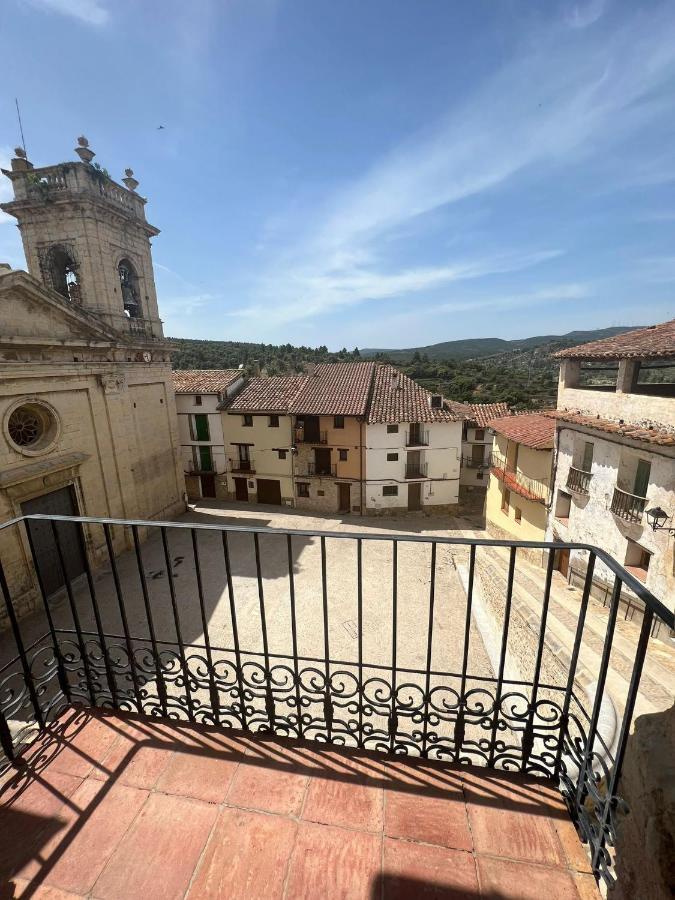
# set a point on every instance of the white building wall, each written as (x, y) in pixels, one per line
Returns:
(187, 407)
(470, 474)
(442, 456)
(590, 519)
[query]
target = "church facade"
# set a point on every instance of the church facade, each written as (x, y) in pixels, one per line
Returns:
(87, 407)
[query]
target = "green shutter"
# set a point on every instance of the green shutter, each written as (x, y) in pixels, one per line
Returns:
(587, 464)
(202, 428)
(205, 462)
(642, 474)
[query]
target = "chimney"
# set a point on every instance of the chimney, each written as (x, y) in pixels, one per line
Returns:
(395, 380)
(436, 401)
(310, 368)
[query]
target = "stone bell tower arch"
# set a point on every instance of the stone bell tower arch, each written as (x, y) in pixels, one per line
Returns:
(86, 237)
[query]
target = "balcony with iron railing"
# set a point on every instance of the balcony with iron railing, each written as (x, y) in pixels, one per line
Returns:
(417, 437)
(578, 480)
(627, 506)
(189, 695)
(416, 470)
(318, 470)
(471, 463)
(242, 466)
(533, 489)
(303, 436)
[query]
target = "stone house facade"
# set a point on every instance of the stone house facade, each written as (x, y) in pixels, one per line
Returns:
(615, 459)
(199, 394)
(86, 396)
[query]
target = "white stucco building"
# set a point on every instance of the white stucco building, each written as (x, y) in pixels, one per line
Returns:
(615, 456)
(412, 446)
(199, 393)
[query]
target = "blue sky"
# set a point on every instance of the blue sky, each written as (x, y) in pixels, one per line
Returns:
(370, 173)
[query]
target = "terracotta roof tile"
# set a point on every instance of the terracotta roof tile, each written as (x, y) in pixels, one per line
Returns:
(655, 342)
(335, 389)
(479, 413)
(533, 430)
(397, 398)
(649, 434)
(267, 394)
(204, 381)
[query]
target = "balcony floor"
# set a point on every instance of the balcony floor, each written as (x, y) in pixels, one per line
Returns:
(119, 806)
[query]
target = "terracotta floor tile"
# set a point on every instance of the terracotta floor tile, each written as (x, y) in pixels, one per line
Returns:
(192, 774)
(423, 773)
(31, 812)
(504, 878)
(509, 819)
(24, 888)
(269, 789)
(333, 862)
(575, 852)
(586, 886)
(247, 856)
(349, 803)
(412, 871)
(136, 758)
(433, 820)
(77, 742)
(160, 851)
(73, 858)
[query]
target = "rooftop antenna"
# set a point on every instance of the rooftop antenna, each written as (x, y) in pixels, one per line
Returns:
(18, 115)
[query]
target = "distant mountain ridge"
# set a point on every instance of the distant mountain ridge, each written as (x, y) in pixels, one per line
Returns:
(481, 348)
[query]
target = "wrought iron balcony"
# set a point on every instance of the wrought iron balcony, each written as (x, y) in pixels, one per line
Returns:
(320, 470)
(417, 437)
(310, 437)
(578, 480)
(472, 463)
(416, 470)
(629, 507)
(530, 488)
(180, 644)
(246, 466)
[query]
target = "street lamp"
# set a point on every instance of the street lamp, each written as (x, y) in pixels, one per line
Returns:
(657, 518)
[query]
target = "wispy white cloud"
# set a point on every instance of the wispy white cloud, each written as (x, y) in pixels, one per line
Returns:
(569, 94)
(583, 15)
(90, 12)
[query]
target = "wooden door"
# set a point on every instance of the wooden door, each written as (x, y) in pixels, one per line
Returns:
(477, 454)
(322, 460)
(562, 561)
(269, 491)
(415, 496)
(240, 489)
(45, 555)
(208, 483)
(344, 497)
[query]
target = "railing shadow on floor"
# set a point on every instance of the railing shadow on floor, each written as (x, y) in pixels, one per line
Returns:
(431, 709)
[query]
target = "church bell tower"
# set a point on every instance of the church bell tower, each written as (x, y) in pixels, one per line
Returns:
(86, 237)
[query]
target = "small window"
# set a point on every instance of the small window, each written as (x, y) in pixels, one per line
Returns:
(302, 488)
(274, 421)
(282, 454)
(247, 421)
(563, 504)
(390, 490)
(506, 497)
(479, 475)
(479, 434)
(320, 493)
(198, 400)
(637, 560)
(517, 514)
(392, 429)
(338, 422)
(392, 457)
(342, 455)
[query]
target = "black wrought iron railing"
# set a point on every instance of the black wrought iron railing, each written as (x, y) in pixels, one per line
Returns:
(242, 465)
(473, 463)
(628, 506)
(310, 436)
(578, 480)
(417, 437)
(530, 488)
(416, 470)
(201, 623)
(327, 470)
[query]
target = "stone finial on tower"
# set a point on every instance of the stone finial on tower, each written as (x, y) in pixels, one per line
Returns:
(129, 180)
(83, 151)
(21, 163)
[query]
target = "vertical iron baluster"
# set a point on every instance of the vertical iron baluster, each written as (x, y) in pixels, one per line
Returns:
(393, 717)
(176, 622)
(269, 696)
(6, 742)
(123, 616)
(602, 676)
(58, 656)
(27, 675)
(161, 687)
(359, 616)
(294, 632)
(327, 704)
(564, 718)
(214, 697)
(612, 787)
(97, 615)
(235, 631)
(460, 724)
(502, 656)
(75, 615)
(430, 633)
(528, 734)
